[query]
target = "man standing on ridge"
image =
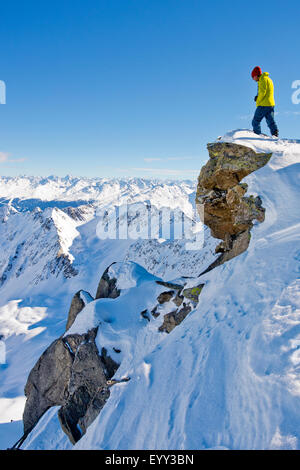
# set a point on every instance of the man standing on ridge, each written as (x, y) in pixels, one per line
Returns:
(264, 102)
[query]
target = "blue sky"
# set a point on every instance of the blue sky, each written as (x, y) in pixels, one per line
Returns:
(137, 87)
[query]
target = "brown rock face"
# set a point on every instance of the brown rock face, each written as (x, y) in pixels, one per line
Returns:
(165, 296)
(229, 164)
(220, 197)
(174, 318)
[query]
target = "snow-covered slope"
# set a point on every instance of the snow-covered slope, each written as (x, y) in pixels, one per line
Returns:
(50, 250)
(228, 375)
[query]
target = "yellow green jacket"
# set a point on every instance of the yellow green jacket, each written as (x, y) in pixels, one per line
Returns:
(265, 95)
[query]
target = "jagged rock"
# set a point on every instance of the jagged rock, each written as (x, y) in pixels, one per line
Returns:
(165, 296)
(62, 263)
(76, 306)
(154, 312)
(145, 314)
(228, 164)
(178, 299)
(238, 244)
(174, 318)
(47, 383)
(193, 293)
(70, 373)
(95, 405)
(224, 208)
(110, 366)
(88, 379)
(170, 285)
(78, 213)
(107, 286)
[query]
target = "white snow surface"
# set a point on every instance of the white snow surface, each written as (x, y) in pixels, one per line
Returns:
(49, 250)
(228, 376)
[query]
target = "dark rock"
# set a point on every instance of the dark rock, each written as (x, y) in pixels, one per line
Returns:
(165, 296)
(170, 285)
(107, 286)
(178, 299)
(94, 407)
(172, 319)
(70, 373)
(88, 377)
(145, 314)
(154, 312)
(77, 305)
(110, 366)
(47, 383)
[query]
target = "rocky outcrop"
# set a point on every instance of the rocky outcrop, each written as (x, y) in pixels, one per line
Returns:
(180, 301)
(165, 296)
(221, 200)
(70, 373)
(79, 301)
(87, 388)
(47, 383)
(193, 293)
(174, 318)
(107, 286)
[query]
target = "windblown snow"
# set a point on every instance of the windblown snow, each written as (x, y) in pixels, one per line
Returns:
(227, 377)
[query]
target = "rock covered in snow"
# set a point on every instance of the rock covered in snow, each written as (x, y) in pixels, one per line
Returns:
(79, 301)
(73, 374)
(76, 370)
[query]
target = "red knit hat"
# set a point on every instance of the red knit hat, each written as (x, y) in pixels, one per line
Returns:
(256, 72)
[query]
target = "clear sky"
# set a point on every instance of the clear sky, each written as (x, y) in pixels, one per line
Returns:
(137, 87)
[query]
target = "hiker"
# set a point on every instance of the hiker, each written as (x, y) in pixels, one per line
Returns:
(264, 102)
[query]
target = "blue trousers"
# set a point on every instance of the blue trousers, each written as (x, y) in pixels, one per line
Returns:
(264, 112)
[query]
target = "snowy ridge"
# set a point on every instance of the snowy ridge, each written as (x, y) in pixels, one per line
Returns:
(34, 246)
(96, 190)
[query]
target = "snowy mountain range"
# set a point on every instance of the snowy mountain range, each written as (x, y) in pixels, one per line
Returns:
(226, 377)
